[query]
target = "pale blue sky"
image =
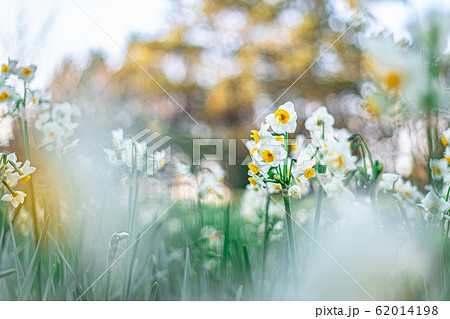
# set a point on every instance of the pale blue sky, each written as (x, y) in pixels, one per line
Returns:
(71, 33)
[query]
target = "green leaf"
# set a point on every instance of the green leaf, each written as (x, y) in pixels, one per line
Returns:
(4, 273)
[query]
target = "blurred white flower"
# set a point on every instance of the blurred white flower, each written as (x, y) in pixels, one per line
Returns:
(386, 182)
(435, 205)
(339, 157)
(438, 168)
(26, 73)
(432, 32)
(295, 191)
(320, 123)
(406, 191)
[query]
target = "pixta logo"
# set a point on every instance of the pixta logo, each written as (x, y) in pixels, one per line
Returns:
(151, 146)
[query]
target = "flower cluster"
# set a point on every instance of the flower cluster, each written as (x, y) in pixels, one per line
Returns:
(436, 201)
(11, 100)
(54, 120)
(57, 127)
(327, 157)
(133, 155)
(13, 172)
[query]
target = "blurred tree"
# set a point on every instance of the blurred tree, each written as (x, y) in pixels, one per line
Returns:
(225, 62)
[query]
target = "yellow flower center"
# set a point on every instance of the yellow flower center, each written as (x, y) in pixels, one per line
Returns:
(447, 159)
(444, 141)
(5, 95)
(337, 162)
(253, 168)
(33, 100)
(279, 139)
(433, 209)
(161, 163)
(436, 171)
(254, 148)
(309, 172)
(209, 189)
(5, 68)
(393, 80)
(294, 146)
(282, 116)
(51, 134)
(278, 187)
(372, 107)
(252, 180)
(25, 179)
(406, 194)
(255, 136)
(268, 156)
(26, 71)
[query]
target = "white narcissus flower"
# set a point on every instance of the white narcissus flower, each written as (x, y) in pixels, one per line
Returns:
(445, 138)
(387, 181)
(7, 94)
(406, 191)
(26, 73)
(305, 163)
(208, 185)
(339, 157)
(62, 113)
(16, 199)
(42, 119)
(335, 188)
(52, 132)
(438, 168)
(295, 191)
(26, 171)
(39, 100)
(304, 185)
(183, 172)
(320, 123)
(284, 120)
(256, 180)
(435, 205)
(396, 70)
(252, 203)
(273, 188)
(272, 152)
(297, 145)
(447, 154)
(8, 69)
(261, 134)
(342, 134)
(117, 137)
(259, 167)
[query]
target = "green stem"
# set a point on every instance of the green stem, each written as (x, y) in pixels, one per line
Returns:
(318, 210)
(26, 145)
(320, 170)
(9, 188)
(291, 244)
(286, 178)
(266, 240)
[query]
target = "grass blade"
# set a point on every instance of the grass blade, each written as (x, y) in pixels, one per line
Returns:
(7, 272)
(25, 289)
(186, 285)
